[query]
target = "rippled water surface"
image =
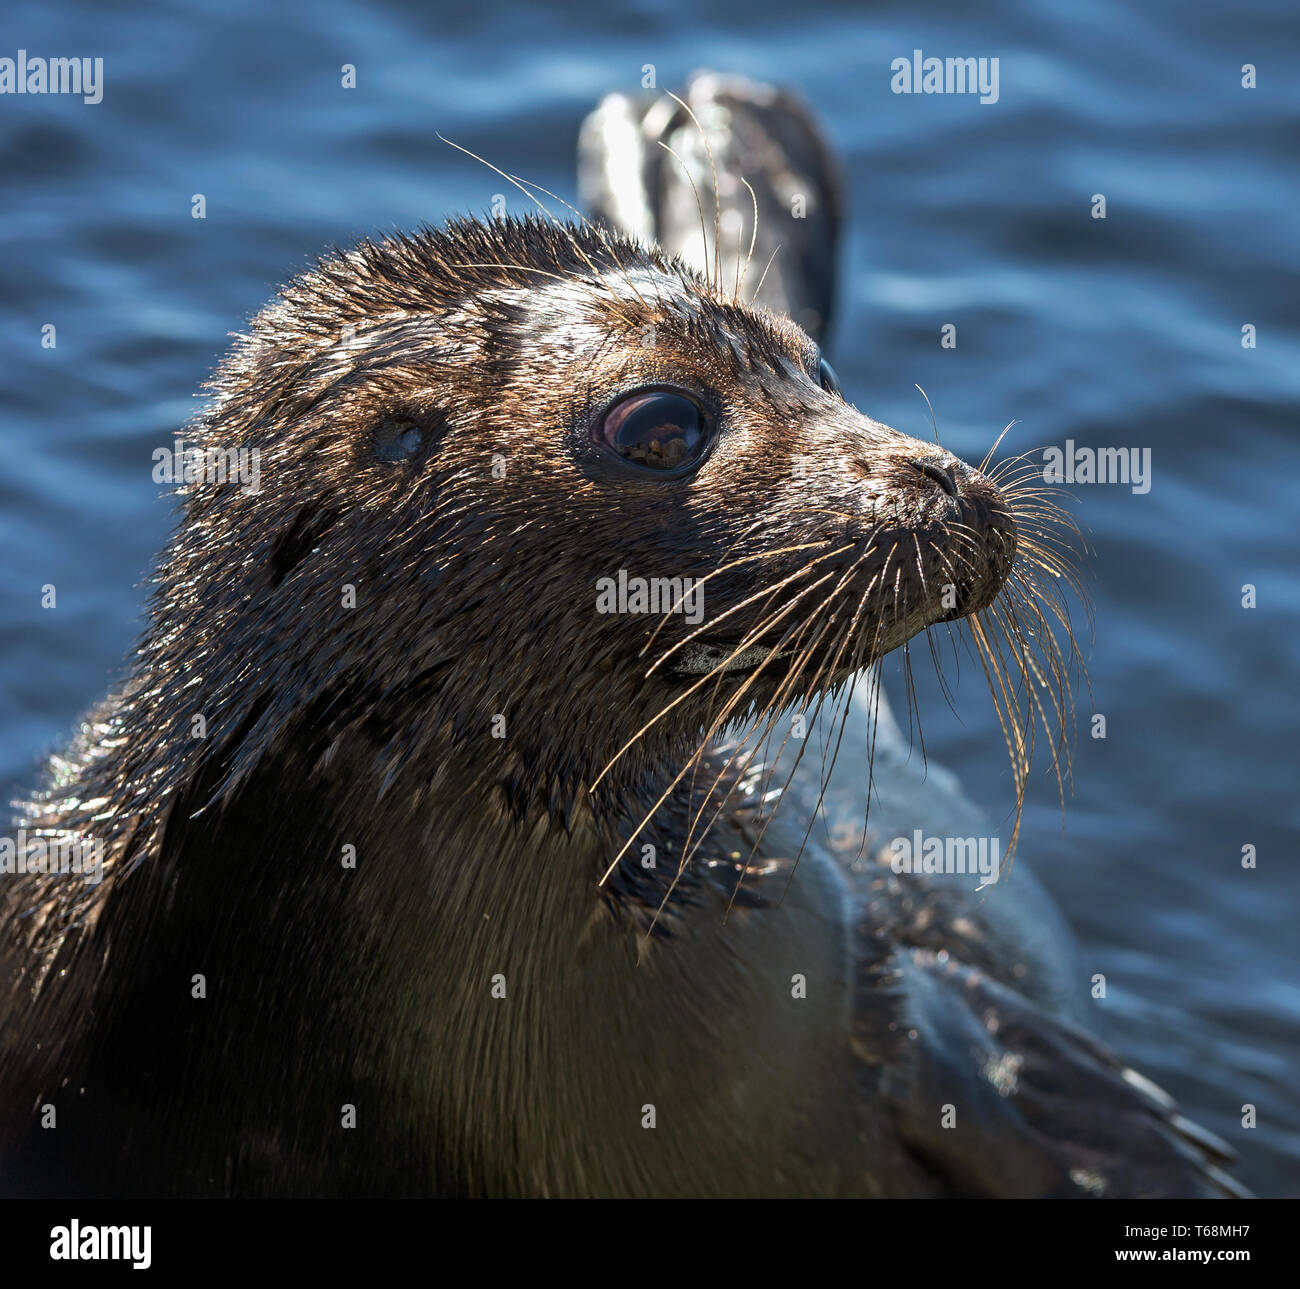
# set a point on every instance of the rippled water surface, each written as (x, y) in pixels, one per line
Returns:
(1122, 332)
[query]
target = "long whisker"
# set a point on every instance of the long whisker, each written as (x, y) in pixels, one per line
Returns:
(699, 206)
(717, 202)
(716, 671)
(763, 279)
(559, 223)
(753, 238)
(583, 222)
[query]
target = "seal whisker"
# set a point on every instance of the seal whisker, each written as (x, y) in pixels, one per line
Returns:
(828, 769)
(766, 591)
(583, 222)
(753, 238)
(725, 568)
(761, 731)
(768, 265)
(753, 635)
(775, 706)
(541, 205)
(674, 703)
(717, 200)
(988, 456)
(699, 205)
(762, 832)
(934, 423)
(1010, 732)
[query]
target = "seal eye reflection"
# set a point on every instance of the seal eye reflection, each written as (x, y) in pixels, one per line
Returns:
(830, 382)
(656, 428)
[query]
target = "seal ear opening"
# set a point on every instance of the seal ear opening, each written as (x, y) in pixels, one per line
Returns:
(291, 548)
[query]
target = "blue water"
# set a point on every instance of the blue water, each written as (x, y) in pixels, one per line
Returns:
(1122, 332)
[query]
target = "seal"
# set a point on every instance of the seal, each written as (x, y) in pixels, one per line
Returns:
(434, 864)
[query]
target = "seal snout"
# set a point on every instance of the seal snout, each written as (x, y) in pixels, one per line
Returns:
(983, 527)
(960, 525)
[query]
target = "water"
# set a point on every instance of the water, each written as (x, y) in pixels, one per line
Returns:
(1122, 332)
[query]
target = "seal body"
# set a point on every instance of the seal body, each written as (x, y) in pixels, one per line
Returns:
(424, 876)
(345, 988)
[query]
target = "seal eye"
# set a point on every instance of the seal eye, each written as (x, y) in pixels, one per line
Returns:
(657, 428)
(830, 382)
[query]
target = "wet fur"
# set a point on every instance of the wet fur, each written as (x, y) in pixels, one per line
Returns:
(478, 856)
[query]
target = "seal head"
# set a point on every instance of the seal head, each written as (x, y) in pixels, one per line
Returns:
(477, 426)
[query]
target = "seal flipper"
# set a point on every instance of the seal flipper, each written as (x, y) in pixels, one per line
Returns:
(995, 1098)
(756, 132)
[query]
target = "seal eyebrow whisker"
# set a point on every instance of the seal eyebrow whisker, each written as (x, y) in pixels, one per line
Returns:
(584, 222)
(753, 238)
(935, 423)
(763, 279)
(699, 205)
(717, 200)
(558, 223)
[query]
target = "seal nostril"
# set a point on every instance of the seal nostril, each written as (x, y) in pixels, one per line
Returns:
(944, 477)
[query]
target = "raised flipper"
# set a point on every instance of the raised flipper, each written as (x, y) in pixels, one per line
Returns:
(757, 133)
